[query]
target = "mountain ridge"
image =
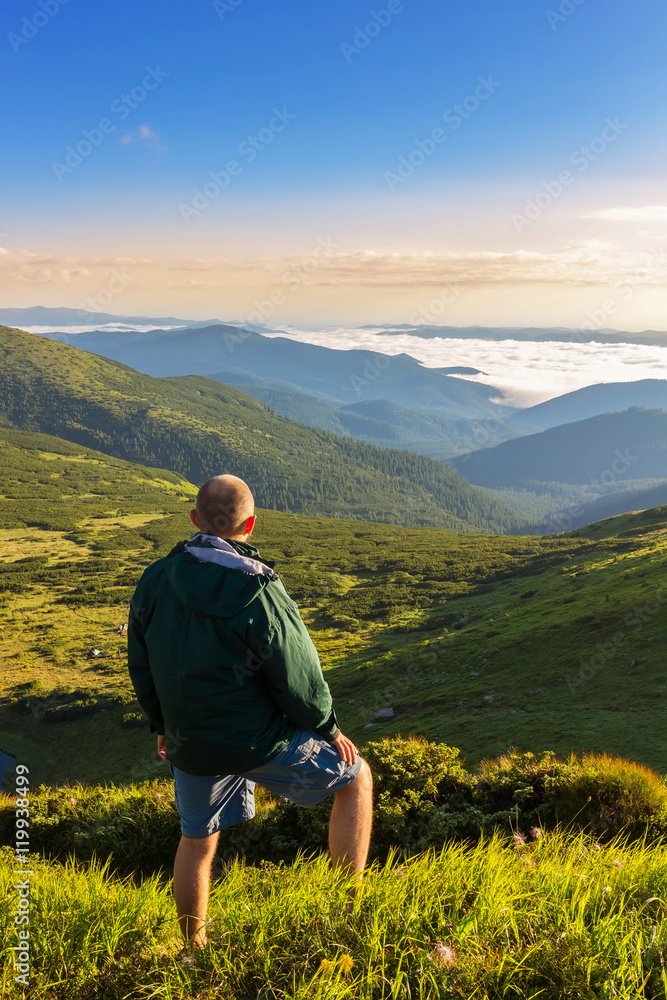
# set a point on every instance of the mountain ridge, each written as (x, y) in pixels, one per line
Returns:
(65, 316)
(345, 375)
(604, 444)
(557, 334)
(76, 317)
(594, 400)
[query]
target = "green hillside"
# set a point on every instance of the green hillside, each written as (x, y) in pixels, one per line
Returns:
(484, 642)
(198, 427)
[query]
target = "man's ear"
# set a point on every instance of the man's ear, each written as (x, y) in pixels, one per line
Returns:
(250, 524)
(193, 518)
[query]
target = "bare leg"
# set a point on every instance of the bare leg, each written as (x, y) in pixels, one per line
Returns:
(192, 873)
(350, 823)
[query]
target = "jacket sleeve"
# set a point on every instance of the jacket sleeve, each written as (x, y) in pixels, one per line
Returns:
(140, 673)
(291, 667)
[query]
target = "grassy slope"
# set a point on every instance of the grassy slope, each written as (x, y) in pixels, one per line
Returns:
(77, 529)
(481, 641)
(198, 427)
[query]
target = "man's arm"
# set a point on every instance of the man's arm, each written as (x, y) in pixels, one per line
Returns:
(140, 673)
(291, 667)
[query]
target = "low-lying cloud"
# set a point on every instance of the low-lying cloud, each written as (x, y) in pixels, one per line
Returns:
(527, 372)
(645, 213)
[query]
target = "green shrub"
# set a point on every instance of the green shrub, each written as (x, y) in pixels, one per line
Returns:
(597, 793)
(71, 710)
(136, 826)
(608, 794)
(423, 797)
(410, 777)
(133, 720)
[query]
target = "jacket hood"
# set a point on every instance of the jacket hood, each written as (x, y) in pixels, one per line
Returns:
(215, 577)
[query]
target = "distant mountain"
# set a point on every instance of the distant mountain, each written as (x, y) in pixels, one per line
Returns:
(461, 370)
(621, 502)
(57, 317)
(428, 433)
(256, 384)
(602, 451)
(593, 400)
(60, 316)
(198, 427)
(528, 333)
(424, 425)
(346, 376)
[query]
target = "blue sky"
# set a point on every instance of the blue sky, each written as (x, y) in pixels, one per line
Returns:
(355, 102)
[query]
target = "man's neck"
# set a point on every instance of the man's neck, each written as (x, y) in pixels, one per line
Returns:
(226, 538)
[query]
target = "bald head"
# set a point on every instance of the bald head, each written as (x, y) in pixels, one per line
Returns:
(224, 507)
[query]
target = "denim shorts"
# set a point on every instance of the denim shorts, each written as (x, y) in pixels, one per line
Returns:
(307, 771)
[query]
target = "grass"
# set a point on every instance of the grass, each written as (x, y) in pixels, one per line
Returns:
(553, 918)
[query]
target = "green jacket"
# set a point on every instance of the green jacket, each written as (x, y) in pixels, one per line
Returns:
(220, 659)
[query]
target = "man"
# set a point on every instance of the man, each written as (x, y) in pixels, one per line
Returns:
(224, 668)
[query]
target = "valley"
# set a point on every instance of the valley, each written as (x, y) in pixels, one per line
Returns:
(530, 460)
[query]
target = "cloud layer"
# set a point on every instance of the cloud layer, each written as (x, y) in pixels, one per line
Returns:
(590, 263)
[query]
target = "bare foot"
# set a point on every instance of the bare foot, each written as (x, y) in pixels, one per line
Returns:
(187, 954)
(186, 959)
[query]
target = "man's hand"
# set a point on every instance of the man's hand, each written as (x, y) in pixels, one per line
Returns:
(346, 749)
(162, 747)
